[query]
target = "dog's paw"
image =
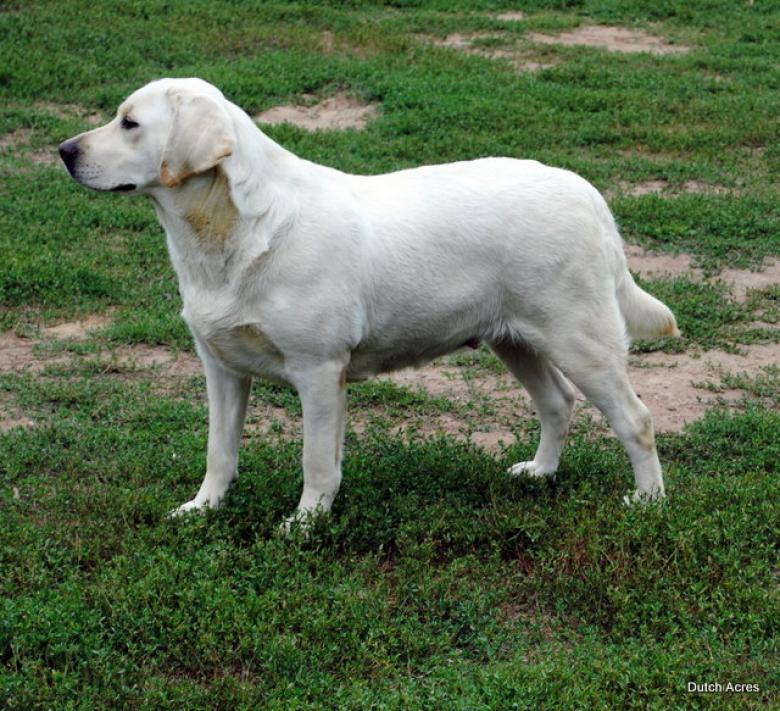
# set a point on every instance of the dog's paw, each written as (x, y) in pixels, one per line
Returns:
(193, 506)
(643, 497)
(531, 469)
(300, 523)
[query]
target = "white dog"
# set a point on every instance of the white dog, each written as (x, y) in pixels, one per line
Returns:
(299, 273)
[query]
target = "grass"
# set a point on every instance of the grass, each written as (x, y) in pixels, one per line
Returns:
(438, 582)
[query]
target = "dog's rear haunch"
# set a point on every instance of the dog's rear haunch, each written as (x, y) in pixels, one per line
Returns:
(300, 273)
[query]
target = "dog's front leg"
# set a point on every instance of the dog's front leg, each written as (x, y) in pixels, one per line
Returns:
(228, 395)
(322, 390)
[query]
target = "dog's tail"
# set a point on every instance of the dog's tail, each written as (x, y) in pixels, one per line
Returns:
(645, 316)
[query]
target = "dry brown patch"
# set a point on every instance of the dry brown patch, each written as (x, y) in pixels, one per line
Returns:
(16, 138)
(512, 16)
(612, 39)
(435, 380)
(15, 351)
(268, 421)
(167, 362)
(696, 186)
(467, 43)
(11, 416)
(655, 265)
(76, 330)
(743, 280)
(486, 433)
(464, 42)
(648, 187)
(339, 112)
(672, 385)
(66, 111)
(22, 138)
(11, 422)
(662, 187)
(44, 157)
(740, 281)
(532, 66)
(501, 396)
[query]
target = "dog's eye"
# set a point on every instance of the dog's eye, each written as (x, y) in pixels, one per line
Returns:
(128, 124)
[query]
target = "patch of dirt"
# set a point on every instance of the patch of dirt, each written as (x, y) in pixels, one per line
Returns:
(50, 157)
(436, 380)
(612, 39)
(11, 419)
(339, 112)
(15, 351)
(653, 265)
(472, 398)
(10, 415)
(671, 385)
(10, 422)
(487, 407)
(264, 420)
(512, 16)
(76, 330)
(169, 363)
(466, 43)
(16, 138)
(531, 66)
(696, 186)
(662, 187)
(740, 281)
(67, 111)
(22, 137)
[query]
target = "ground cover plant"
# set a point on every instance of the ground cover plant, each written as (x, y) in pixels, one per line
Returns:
(438, 581)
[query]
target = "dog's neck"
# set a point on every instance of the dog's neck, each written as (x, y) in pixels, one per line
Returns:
(244, 204)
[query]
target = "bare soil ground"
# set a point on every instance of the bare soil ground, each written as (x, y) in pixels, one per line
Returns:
(47, 155)
(521, 56)
(511, 16)
(486, 407)
(740, 281)
(612, 39)
(677, 388)
(661, 187)
(338, 112)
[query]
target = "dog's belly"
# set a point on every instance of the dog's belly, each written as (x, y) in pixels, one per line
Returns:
(370, 359)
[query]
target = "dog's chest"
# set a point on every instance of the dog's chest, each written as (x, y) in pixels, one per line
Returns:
(245, 348)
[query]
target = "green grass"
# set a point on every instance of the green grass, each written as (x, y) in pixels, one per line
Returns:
(436, 577)
(438, 582)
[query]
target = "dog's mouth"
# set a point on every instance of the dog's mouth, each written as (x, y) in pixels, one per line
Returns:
(124, 188)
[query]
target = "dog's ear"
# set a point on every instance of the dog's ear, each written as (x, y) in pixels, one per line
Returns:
(201, 136)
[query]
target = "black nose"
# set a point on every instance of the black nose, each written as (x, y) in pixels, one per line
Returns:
(69, 151)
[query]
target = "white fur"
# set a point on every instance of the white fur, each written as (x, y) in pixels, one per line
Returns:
(324, 275)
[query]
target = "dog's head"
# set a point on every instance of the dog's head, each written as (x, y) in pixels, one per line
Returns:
(163, 134)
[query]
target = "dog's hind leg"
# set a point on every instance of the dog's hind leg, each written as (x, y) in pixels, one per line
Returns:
(553, 397)
(593, 355)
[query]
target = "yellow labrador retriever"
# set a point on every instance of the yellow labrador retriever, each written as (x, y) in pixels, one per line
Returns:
(300, 273)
